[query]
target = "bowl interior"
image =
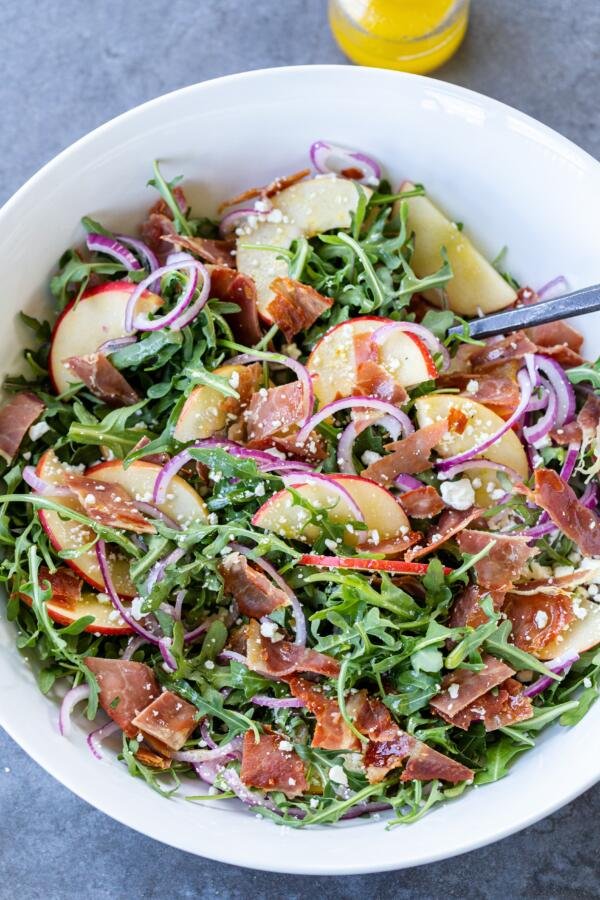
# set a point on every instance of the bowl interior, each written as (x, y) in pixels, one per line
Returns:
(510, 180)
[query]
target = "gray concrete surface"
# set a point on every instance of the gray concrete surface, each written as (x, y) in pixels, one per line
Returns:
(68, 66)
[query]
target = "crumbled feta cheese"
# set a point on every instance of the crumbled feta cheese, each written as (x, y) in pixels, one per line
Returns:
(458, 494)
(36, 431)
(313, 802)
(453, 690)
(369, 457)
(337, 775)
(472, 386)
(587, 682)
(541, 618)
(136, 608)
(559, 571)
(286, 746)
(209, 664)
(268, 629)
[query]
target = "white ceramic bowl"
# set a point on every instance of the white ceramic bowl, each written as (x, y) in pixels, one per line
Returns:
(510, 179)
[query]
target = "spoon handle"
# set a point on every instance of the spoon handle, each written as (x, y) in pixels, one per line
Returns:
(576, 303)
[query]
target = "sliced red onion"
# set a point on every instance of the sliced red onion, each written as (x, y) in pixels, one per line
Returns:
(178, 609)
(116, 600)
(231, 219)
(330, 158)
(549, 288)
(142, 249)
(569, 461)
(134, 643)
(101, 243)
(231, 655)
(351, 432)
(558, 666)
(206, 736)
(95, 738)
(362, 809)
(158, 569)
(291, 481)
(297, 611)
(536, 434)
(276, 702)
(250, 798)
(408, 482)
(233, 747)
(45, 488)
(300, 371)
(589, 498)
(381, 335)
(182, 313)
(191, 636)
(477, 464)
(563, 388)
(115, 344)
(164, 645)
(537, 531)
(525, 386)
(373, 403)
(265, 461)
(148, 509)
(70, 701)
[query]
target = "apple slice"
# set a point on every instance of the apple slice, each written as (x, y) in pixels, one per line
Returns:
(205, 412)
(105, 622)
(333, 362)
(183, 504)
(475, 285)
(83, 326)
(483, 423)
(581, 635)
(384, 517)
(306, 208)
(396, 566)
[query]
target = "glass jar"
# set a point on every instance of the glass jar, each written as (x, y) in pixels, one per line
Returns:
(412, 35)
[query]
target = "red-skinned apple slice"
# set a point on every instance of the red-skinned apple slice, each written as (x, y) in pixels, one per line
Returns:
(306, 208)
(205, 411)
(98, 316)
(182, 504)
(333, 364)
(89, 605)
(475, 284)
(384, 517)
(396, 566)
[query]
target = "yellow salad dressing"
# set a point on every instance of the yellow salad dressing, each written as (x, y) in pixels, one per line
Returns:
(413, 35)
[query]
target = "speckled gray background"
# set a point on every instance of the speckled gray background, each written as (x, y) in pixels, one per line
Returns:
(69, 65)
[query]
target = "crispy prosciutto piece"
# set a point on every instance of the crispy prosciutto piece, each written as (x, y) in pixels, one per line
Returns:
(538, 617)
(396, 546)
(162, 209)
(559, 500)
(409, 456)
(275, 410)
(372, 380)
(16, 418)
(152, 759)
(450, 524)
(281, 658)
(505, 560)
(466, 609)
(427, 764)
(553, 334)
(515, 346)
(109, 504)
(497, 708)
(422, 503)
(589, 418)
(218, 253)
(567, 434)
(102, 378)
(313, 451)
(254, 594)
(65, 585)
(462, 687)
(499, 393)
(154, 229)
(266, 766)
(169, 719)
(331, 732)
(563, 355)
(295, 306)
(234, 287)
(269, 190)
(126, 688)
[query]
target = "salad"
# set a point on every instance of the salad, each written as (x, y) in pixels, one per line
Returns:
(285, 539)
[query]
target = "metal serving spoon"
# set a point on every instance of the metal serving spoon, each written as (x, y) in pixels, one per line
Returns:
(577, 303)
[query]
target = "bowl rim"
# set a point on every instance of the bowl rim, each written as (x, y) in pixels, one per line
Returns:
(11, 725)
